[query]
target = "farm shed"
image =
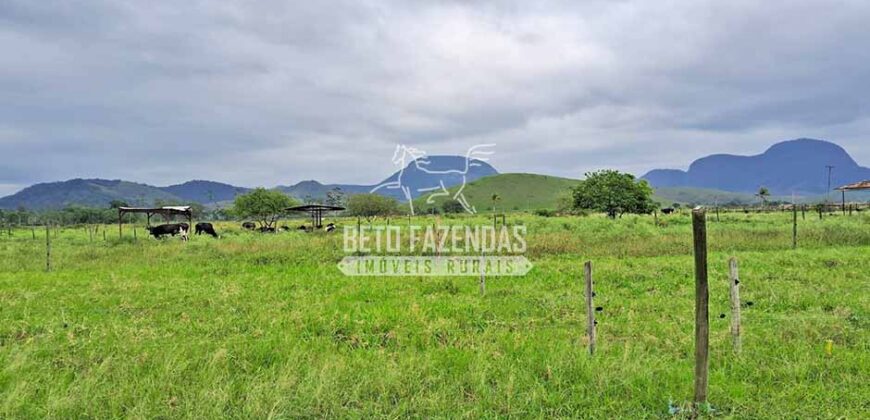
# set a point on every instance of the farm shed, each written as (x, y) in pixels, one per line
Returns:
(166, 211)
(316, 211)
(857, 186)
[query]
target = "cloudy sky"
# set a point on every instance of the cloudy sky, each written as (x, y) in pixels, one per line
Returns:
(274, 92)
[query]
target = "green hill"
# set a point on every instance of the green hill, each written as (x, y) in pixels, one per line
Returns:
(531, 192)
(516, 192)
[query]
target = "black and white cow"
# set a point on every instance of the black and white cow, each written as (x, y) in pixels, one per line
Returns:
(170, 229)
(249, 225)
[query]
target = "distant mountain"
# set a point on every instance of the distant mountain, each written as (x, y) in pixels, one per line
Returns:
(797, 166)
(84, 192)
(100, 192)
(423, 173)
(205, 192)
(316, 191)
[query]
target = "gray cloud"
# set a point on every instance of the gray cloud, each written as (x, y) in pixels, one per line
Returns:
(273, 92)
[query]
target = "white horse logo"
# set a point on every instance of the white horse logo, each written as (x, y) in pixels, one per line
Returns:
(473, 157)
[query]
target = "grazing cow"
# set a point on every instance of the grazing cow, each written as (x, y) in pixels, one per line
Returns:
(667, 210)
(285, 228)
(249, 225)
(330, 227)
(206, 228)
(167, 229)
(265, 229)
(183, 230)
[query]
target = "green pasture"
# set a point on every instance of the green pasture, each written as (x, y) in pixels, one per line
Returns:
(265, 326)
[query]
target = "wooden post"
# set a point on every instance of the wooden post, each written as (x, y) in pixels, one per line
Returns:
(134, 233)
(702, 318)
(120, 222)
(482, 272)
(590, 307)
(804, 212)
(717, 213)
(33, 232)
(844, 202)
(656, 217)
(820, 212)
(47, 248)
(104, 235)
(794, 227)
(734, 281)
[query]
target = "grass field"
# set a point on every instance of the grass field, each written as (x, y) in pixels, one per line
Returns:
(255, 325)
(525, 192)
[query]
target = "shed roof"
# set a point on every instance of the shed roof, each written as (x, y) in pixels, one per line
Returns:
(860, 185)
(315, 207)
(157, 210)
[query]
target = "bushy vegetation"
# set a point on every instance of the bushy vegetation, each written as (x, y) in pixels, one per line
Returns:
(262, 205)
(614, 193)
(259, 326)
(371, 206)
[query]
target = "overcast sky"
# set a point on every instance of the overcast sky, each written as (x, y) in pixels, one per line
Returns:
(274, 92)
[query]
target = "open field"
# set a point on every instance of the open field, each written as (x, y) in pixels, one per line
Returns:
(256, 325)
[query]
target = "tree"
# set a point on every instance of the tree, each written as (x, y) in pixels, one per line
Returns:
(335, 197)
(763, 193)
(262, 205)
(452, 206)
(495, 199)
(370, 206)
(614, 193)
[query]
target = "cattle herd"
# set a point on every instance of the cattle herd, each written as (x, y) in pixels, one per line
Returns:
(183, 229)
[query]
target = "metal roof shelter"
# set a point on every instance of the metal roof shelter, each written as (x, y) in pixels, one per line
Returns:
(316, 211)
(856, 186)
(150, 211)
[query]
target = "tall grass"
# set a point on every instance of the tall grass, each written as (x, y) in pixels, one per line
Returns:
(255, 325)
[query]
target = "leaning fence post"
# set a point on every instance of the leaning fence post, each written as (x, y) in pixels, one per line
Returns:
(794, 227)
(734, 282)
(47, 248)
(702, 319)
(590, 307)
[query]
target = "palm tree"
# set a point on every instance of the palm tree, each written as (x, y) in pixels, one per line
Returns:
(763, 194)
(495, 198)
